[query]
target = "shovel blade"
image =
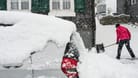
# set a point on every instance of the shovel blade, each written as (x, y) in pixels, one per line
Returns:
(100, 48)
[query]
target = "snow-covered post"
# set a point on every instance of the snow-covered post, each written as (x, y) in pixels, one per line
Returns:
(32, 71)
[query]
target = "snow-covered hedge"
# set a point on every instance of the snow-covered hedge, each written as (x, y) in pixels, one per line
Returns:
(110, 20)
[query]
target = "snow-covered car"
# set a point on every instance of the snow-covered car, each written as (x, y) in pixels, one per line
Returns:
(39, 40)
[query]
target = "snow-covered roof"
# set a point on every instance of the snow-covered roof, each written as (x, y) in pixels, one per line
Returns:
(30, 32)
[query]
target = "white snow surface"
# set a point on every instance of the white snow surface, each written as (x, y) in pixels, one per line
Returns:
(30, 32)
(105, 65)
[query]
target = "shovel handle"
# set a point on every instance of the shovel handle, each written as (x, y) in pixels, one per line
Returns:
(110, 45)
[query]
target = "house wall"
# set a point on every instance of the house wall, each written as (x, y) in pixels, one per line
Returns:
(111, 6)
(121, 7)
(101, 8)
(134, 8)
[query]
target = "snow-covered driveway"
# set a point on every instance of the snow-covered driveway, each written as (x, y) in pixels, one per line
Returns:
(106, 34)
(105, 65)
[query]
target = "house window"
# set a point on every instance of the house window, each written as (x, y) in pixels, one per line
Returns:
(24, 5)
(61, 4)
(55, 4)
(66, 4)
(62, 8)
(14, 5)
(133, 2)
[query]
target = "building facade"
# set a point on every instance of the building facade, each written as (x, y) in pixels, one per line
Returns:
(101, 8)
(127, 7)
(81, 12)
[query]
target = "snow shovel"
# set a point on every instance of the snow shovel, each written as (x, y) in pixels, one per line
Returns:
(101, 47)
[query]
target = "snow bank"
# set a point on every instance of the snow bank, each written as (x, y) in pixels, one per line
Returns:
(30, 32)
(102, 66)
(78, 42)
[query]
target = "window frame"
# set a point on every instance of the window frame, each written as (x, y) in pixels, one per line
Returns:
(15, 3)
(56, 3)
(23, 6)
(67, 4)
(19, 6)
(62, 11)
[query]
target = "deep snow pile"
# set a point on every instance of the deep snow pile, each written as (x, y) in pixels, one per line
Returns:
(102, 66)
(30, 32)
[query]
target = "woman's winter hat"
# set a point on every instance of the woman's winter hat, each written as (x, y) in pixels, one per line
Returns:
(117, 25)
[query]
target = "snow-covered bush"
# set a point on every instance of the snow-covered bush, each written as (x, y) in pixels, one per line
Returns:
(110, 20)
